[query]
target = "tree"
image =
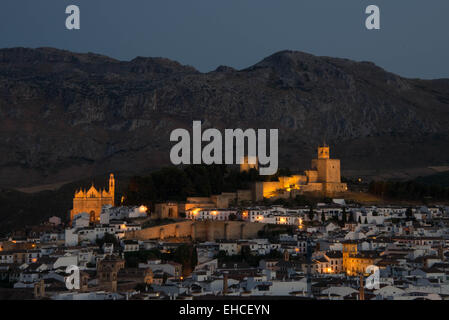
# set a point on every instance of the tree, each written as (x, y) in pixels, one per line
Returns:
(107, 238)
(323, 217)
(281, 202)
(343, 217)
(187, 256)
(301, 200)
(131, 261)
(285, 172)
(350, 216)
(142, 287)
(311, 213)
(245, 252)
(409, 213)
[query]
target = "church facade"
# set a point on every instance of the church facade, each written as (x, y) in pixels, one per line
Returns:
(92, 201)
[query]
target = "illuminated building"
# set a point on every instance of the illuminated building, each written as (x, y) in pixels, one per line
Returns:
(107, 270)
(92, 201)
(210, 214)
(323, 177)
(249, 163)
(355, 262)
(168, 210)
(335, 259)
(331, 262)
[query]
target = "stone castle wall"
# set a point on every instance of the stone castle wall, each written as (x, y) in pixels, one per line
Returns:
(199, 230)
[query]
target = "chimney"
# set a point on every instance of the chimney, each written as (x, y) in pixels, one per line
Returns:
(225, 282)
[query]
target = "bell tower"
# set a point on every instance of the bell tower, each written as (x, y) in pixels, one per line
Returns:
(112, 187)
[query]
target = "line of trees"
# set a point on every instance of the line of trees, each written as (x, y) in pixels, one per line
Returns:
(174, 183)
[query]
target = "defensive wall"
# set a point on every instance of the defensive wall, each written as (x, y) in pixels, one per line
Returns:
(200, 230)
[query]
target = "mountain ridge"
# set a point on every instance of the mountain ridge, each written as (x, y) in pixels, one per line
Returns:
(65, 116)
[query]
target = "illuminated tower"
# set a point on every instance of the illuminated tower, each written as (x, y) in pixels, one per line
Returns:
(328, 169)
(112, 187)
(249, 162)
(323, 152)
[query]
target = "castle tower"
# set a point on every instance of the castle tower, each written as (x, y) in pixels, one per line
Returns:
(328, 169)
(249, 162)
(323, 152)
(328, 172)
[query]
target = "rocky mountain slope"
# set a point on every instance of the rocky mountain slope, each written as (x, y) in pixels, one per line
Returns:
(65, 116)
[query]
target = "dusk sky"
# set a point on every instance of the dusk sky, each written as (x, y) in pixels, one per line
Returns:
(413, 40)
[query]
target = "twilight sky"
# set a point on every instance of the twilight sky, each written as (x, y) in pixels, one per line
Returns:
(413, 40)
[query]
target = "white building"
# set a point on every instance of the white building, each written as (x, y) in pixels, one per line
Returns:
(109, 213)
(210, 214)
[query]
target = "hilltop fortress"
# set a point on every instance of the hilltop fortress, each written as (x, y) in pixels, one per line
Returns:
(323, 177)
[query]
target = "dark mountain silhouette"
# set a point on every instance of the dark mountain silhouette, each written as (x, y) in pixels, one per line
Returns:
(66, 116)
